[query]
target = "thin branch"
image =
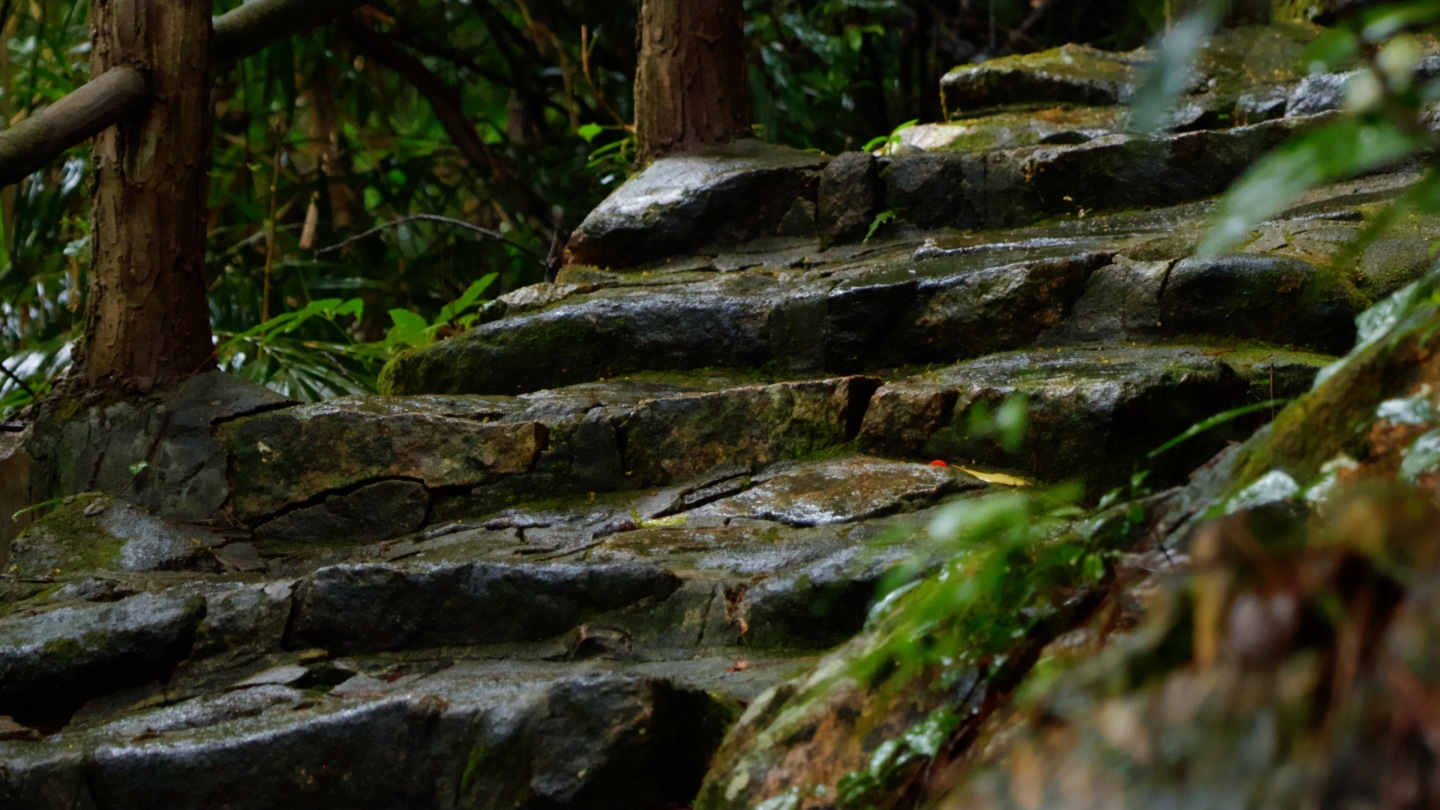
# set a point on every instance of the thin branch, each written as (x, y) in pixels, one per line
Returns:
(257, 24)
(587, 46)
(444, 100)
(16, 379)
(496, 235)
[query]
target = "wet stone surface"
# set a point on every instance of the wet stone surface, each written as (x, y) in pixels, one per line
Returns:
(622, 646)
(551, 565)
(844, 491)
(100, 532)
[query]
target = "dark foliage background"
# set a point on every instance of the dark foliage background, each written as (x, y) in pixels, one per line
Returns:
(509, 115)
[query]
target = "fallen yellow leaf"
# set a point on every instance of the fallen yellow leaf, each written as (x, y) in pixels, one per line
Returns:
(996, 478)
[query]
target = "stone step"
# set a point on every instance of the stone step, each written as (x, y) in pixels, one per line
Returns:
(947, 297)
(428, 732)
(557, 656)
(1094, 412)
(431, 458)
(374, 468)
(775, 557)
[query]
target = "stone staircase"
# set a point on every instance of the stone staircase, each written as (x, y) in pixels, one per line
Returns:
(554, 562)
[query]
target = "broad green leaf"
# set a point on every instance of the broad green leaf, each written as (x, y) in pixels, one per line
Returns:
(1422, 456)
(1416, 410)
(1334, 49)
(355, 307)
(1276, 485)
(1011, 421)
(409, 329)
(321, 308)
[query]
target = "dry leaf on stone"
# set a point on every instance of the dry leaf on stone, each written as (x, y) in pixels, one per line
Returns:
(996, 478)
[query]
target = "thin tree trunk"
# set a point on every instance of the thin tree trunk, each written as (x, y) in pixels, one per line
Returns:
(690, 87)
(147, 324)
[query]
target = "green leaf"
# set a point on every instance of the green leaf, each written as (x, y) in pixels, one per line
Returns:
(466, 300)
(880, 219)
(888, 140)
(589, 132)
(926, 737)
(1417, 410)
(286, 322)
(1335, 48)
(409, 329)
(1011, 421)
(1336, 150)
(354, 307)
(1422, 456)
(1390, 19)
(1215, 421)
(324, 308)
(38, 506)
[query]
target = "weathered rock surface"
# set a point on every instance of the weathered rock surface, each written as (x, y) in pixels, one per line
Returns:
(474, 734)
(1220, 696)
(365, 441)
(1075, 74)
(550, 568)
(849, 197)
(1086, 405)
(1265, 297)
(680, 437)
(99, 532)
(53, 661)
(373, 607)
(681, 203)
(396, 647)
(158, 454)
(947, 297)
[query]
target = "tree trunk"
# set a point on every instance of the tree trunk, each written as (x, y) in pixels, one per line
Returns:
(690, 84)
(147, 324)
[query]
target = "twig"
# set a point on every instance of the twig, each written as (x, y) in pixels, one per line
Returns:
(27, 389)
(270, 226)
(587, 46)
(433, 218)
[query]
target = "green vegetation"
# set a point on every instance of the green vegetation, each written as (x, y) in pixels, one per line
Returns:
(503, 116)
(1382, 122)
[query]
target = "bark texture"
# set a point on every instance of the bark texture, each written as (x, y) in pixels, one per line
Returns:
(146, 322)
(84, 113)
(690, 86)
